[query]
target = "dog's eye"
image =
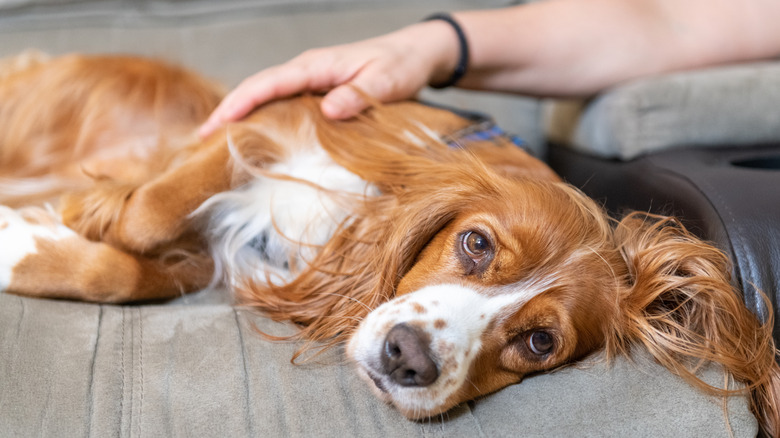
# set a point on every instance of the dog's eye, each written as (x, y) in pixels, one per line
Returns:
(475, 252)
(475, 244)
(540, 343)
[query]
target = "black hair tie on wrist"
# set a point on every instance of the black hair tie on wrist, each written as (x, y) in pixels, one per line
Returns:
(463, 61)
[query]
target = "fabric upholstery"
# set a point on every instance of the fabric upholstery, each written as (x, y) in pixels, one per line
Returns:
(197, 367)
(718, 107)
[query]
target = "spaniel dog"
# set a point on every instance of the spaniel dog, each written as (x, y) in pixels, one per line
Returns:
(448, 261)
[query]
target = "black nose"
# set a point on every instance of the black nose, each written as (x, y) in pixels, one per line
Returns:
(407, 357)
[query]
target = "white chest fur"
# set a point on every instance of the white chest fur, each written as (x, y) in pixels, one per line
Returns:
(270, 227)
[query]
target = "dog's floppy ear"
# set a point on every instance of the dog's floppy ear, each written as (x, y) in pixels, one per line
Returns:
(681, 307)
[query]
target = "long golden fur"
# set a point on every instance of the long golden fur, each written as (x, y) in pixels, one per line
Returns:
(108, 142)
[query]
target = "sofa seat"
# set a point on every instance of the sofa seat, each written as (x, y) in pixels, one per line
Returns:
(198, 367)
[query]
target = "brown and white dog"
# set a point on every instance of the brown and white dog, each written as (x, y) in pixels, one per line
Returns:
(450, 272)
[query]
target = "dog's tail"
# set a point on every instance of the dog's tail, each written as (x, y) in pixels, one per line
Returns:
(680, 306)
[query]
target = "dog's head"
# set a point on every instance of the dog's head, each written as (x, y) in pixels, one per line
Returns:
(522, 280)
(472, 269)
(535, 275)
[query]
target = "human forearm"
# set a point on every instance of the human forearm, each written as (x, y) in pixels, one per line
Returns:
(578, 47)
(549, 48)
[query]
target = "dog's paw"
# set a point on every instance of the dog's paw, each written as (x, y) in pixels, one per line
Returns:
(20, 233)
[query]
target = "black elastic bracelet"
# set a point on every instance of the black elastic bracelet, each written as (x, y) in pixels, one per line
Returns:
(463, 61)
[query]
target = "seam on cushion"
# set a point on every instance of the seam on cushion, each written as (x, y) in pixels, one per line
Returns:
(712, 202)
(477, 423)
(141, 371)
(20, 322)
(130, 369)
(91, 385)
(245, 369)
(636, 142)
(437, 427)
(622, 132)
(606, 133)
(122, 372)
(741, 254)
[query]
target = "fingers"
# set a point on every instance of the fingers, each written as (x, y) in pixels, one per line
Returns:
(278, 82)
(342, 102)
(387, 68)
(260, 88)
(381, 80)
(313, 70)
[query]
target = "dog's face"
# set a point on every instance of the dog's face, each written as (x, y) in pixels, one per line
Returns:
(522, 282)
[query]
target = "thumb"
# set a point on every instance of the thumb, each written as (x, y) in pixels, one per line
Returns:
(343, 102)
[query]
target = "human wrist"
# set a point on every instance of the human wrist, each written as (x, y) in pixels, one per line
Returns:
(435, 46)
(458, 70)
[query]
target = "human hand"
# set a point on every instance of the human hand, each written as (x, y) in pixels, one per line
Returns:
(387, 68)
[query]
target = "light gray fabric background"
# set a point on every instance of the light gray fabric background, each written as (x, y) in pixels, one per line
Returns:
(195, 367)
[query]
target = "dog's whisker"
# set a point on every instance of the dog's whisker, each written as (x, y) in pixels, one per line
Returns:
(474, 386)
(365, 306)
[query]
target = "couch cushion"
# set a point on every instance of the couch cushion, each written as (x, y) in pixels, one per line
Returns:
(197, 367)
(726, 106)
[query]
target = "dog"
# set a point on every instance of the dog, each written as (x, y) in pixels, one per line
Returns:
(450, 262)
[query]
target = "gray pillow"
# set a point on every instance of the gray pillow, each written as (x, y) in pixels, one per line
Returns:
(725, 106)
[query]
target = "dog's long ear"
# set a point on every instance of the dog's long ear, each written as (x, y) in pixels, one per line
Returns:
(680, 305)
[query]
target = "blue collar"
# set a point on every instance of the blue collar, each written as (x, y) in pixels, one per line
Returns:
(483, 129)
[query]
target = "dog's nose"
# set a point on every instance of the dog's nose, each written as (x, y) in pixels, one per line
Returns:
(407, 357)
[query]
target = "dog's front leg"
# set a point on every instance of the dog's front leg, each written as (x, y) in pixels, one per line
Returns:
(155, 213)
